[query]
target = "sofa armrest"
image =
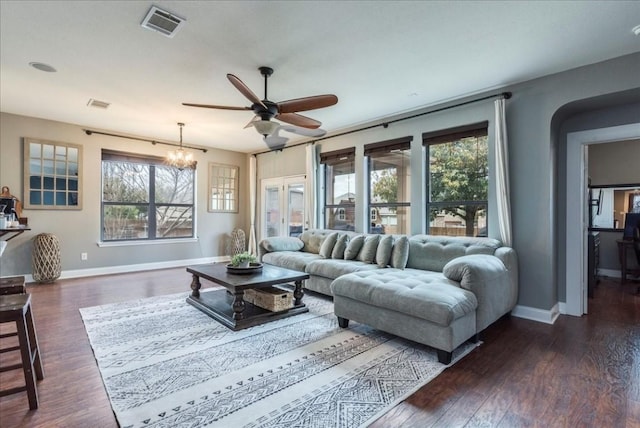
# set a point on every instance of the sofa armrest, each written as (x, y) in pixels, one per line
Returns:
(489, 279)
(279, 243)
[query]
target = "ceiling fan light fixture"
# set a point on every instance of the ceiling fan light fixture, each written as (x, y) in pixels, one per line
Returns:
(180, 158)
(266, 127)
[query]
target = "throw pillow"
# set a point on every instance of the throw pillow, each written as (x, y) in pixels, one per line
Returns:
(353, 248)
(368, 251)
(400, 253)
(341, 245)
(383, 253)
(284, 243)
(327, 245)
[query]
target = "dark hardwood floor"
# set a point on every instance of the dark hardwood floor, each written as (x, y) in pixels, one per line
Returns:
(579, 372)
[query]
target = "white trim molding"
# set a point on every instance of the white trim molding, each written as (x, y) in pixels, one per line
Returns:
(541, 315)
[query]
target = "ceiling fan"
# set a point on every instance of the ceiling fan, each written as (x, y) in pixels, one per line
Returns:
(285, 111)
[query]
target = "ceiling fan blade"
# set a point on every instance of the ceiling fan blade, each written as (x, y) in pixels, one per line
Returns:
(252, 122)
(307, 103)
(303, 131)
(299, 120)
(217, 107)
(244, 90)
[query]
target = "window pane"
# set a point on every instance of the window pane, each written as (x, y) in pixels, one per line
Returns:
(125, 222)
(340, 183)
(389, 183)
(174, 186)
(296, 209)
(272, 211)
(390, 220)
(459, 170)
(458, 187)
(458, 220)
(174, 222)
(342, 218)
(125, 182)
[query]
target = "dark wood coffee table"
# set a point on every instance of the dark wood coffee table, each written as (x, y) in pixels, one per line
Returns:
(228, 306)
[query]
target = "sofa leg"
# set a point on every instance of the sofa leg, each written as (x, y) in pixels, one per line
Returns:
(343, 322)
(444, 357)
(475, 338)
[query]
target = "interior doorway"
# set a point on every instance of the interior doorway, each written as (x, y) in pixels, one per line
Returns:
(577, 208)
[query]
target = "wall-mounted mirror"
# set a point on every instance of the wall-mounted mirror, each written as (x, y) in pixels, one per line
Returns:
(610, 203)
(52, 175)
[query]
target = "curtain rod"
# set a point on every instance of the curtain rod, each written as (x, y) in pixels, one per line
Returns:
(505, 95)
(154, 142)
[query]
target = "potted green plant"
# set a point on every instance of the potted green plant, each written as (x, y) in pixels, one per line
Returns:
(243, 260)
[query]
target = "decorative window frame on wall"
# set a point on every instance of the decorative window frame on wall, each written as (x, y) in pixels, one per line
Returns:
(52, 175)
(224, 183)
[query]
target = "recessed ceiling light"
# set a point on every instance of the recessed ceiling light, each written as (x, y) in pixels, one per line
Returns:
(42, 67)
(636, 30)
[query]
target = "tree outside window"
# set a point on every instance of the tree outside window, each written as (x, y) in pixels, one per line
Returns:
(458, 174)
(144, 200)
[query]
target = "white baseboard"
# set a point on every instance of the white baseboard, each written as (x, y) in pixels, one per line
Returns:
(535, 314)
(80, 273)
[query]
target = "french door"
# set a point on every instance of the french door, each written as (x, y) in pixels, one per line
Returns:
(283, 207)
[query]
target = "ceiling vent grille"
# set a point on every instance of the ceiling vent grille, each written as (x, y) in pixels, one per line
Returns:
(162, 21)
(98, 104)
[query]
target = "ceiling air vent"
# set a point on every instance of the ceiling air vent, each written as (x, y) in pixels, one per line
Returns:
(97, 103)
(162, 22)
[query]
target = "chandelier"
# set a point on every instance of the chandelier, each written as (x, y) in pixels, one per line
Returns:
(180, 158)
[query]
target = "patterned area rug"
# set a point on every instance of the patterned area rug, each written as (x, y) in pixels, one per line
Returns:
(166, 364)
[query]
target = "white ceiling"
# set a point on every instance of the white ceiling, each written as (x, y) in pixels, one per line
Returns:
(378, 57)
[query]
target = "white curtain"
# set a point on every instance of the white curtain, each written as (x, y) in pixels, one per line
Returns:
(252, 205)
(312, 191)
(502, 174)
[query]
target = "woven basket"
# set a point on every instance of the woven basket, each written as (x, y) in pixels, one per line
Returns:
(46, 258)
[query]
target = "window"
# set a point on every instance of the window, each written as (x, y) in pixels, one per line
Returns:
(339, 182)
(223, 188)
(142, 199)
(458, 180)
(53, 178)
(389, 185)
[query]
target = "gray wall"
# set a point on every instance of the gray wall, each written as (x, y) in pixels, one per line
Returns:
(615, 163)
(79, 230)
(535, 117)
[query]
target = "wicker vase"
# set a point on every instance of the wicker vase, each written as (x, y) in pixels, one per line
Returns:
(46, 258)
(237, 242)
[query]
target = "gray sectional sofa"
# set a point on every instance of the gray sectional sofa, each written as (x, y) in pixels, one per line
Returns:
(437, 290)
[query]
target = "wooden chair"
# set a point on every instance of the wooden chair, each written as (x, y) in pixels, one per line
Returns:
(17, 308)
(12, 285)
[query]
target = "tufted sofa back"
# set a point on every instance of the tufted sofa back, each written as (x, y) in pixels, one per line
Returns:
(313, 238)
(430, 252)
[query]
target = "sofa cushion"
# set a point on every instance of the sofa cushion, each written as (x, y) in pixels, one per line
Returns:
(400, 252)
(296, 260)
(425, 295)
(327, 245)
(282, 243)
(368, 251)
(353, 247)
(313, 238)
(383, 253)
(329, 268)
(341, 245)
(430, 252)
